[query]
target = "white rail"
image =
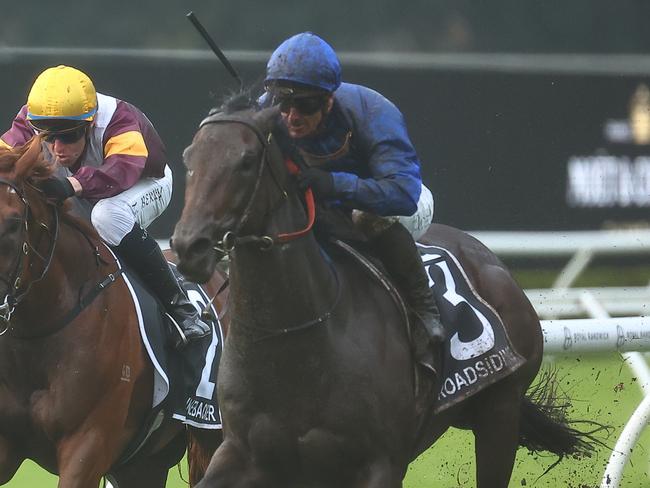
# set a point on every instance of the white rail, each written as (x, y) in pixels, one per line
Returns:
(570, 302)
(549, 244)
(588, 336)
(582, 246)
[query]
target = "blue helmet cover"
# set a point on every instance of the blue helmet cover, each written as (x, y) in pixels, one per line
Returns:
(307, 59)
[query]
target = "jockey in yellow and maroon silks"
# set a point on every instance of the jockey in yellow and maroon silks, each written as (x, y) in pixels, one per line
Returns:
(109, 154)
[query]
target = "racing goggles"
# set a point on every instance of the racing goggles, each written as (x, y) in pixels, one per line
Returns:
(66, 136)
(307, 105)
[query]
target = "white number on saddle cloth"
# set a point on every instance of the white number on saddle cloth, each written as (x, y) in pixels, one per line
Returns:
(459, 349)
(205, 389)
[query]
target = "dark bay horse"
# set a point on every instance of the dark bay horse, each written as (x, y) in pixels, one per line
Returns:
(76, 383)
(316, 382)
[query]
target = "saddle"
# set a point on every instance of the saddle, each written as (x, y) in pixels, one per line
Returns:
(477, 352)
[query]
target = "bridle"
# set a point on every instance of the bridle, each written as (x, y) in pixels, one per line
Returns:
(16, 288)
(232, 238)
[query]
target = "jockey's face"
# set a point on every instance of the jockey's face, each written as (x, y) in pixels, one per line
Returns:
(300, 117)
(67, 148)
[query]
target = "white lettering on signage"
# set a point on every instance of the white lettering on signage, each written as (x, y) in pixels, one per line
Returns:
(608, 181)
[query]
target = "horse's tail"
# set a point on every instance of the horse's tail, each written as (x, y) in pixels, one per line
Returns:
(201, 445)
(545, 425)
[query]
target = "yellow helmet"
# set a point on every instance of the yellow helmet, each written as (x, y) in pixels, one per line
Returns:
(62, 92)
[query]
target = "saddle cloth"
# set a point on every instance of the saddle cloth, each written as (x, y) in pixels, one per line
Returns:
(478, 351)
(185, 380)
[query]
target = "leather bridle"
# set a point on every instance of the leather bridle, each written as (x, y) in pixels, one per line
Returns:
(232, 238)
(17, 289)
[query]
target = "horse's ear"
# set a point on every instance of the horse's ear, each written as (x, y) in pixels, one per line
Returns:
(267, 118)
(30, 158)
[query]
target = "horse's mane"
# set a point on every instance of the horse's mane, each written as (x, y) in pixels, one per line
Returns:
(39, 167)
(236, 102)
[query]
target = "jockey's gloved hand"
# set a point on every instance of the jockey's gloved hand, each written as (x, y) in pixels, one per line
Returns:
(320, 181)
(57, 189)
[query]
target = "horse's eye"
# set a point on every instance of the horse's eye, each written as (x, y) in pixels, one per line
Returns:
(248, 162)
(13, 225)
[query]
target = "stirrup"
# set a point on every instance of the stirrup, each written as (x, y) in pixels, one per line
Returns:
(426, 359)
(180, 339)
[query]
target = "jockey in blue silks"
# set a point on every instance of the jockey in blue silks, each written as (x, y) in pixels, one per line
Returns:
(359, 156)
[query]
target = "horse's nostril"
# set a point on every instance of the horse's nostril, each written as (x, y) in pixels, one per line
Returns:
(199, 247)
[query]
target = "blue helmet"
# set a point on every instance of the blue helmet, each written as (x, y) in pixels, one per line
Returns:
(307, 59)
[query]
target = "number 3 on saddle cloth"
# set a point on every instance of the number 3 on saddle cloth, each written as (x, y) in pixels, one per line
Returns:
(184, 380)
(478, 351)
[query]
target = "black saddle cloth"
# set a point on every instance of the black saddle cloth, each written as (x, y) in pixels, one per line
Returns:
(184, 380)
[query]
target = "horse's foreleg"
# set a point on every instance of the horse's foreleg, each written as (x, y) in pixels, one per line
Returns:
(10, 460)
(83, 459)
(230, 468)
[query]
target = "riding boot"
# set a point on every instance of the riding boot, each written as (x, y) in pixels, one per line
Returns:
(142, 253)
(400, 257)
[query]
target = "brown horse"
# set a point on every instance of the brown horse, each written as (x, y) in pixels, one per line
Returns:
(76, 383)
(316, 382)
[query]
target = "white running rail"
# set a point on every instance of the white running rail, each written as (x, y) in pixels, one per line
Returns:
(580, 246)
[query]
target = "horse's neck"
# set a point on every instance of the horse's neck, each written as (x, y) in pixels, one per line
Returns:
(72, 267)
(291, 283)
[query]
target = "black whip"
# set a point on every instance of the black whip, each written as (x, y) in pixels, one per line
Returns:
(215, 49)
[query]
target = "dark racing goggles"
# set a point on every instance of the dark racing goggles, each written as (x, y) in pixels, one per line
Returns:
(66, 135)
(304, 105)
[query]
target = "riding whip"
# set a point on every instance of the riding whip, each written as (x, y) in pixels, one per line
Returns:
(215, 49)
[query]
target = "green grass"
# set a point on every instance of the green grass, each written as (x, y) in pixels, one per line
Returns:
(601, 275)
(602, 389)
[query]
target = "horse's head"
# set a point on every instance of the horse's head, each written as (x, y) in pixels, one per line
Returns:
(234, 175)
(17, 168)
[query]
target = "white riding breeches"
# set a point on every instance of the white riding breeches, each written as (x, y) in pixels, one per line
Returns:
(114, 217)
(417, 224)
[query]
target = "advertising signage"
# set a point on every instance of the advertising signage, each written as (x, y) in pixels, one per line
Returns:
(532, 151)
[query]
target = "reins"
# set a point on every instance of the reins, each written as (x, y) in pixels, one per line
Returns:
(321, 319)
(232, 239)
(14, 282)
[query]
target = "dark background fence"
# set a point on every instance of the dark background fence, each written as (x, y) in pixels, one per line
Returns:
(530, 143)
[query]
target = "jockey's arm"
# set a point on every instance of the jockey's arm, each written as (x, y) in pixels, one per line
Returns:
(125, 156)
(394, 183)
(19, 133)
